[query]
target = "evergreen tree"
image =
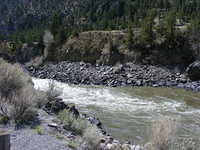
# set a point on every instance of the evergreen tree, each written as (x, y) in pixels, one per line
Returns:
(170, 22)
(130, 36)
(195, 25)
(56, 23)
(147, 34)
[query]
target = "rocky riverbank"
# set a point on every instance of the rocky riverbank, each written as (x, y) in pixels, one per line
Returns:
(46, 132)
(128, 74)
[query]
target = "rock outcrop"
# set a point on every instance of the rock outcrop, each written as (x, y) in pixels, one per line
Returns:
(104, 47)
(193, 71)
(112, 47)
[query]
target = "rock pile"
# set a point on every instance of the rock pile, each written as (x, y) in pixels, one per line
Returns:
(128, 74)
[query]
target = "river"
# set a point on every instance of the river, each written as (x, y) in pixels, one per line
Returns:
(128, 112)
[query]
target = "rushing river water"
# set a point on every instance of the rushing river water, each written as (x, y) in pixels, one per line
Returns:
(128, 112)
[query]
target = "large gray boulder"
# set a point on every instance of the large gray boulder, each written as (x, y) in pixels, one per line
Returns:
(193, 71)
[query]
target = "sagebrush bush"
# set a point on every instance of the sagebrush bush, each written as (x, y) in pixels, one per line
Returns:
(12, 79)
(42, 99)
(91, 138)
(66, 118)
(17, 94)
(70, 122)
(53, 91)
(163, 134)
(163, 137)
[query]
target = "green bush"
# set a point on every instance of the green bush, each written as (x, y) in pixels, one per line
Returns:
(71, 123)
(72, 144)
(39, 130)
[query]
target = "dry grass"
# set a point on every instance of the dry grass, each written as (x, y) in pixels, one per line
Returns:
(163, 137)
(91, 138)
(163, 134)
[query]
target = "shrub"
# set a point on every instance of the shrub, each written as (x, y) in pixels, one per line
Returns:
(72, 144)
(39, 130)
(163, 138)
(162, 134)
(12, 79)
(17, 94)
(41, 99)
(53, 91)
(54, 103)
(79, 125)
(66, 118)
(22, 106)
(49, 99)
(71, 123)
(91, 138)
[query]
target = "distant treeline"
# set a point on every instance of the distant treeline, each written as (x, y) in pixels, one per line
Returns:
(97, 15)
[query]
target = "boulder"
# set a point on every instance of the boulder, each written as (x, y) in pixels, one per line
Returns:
(55, 106)
(74, 111)
(193, 71)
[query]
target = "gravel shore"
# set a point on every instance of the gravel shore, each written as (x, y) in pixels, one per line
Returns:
(28, 138)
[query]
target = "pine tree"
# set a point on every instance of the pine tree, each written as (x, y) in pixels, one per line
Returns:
(170, 22)
(195, 25)
(56, 23)
(130, 36)
(147, 34)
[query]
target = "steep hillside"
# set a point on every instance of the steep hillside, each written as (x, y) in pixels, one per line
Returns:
(16, 15)
(111, 47)
(95, 46)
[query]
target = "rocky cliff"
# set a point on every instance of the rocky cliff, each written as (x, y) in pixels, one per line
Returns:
(107, 47)
(111, 47)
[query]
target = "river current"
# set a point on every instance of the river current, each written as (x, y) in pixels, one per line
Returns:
(128, 113)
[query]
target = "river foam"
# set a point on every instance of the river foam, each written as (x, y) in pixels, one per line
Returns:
(128, 114)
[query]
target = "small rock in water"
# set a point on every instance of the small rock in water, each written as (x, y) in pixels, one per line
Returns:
(53, 125)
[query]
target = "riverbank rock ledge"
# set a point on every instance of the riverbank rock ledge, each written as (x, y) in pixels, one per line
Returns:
(128, 74)
(193, 71)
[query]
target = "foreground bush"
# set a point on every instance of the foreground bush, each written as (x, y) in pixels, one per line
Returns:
(163, 137)
(163, 134)
(53, 92)
(17, 94)
(70, 122)
(92, 138)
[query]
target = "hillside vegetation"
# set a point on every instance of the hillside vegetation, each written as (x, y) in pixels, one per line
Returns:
(35, 15)
(143, 31)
